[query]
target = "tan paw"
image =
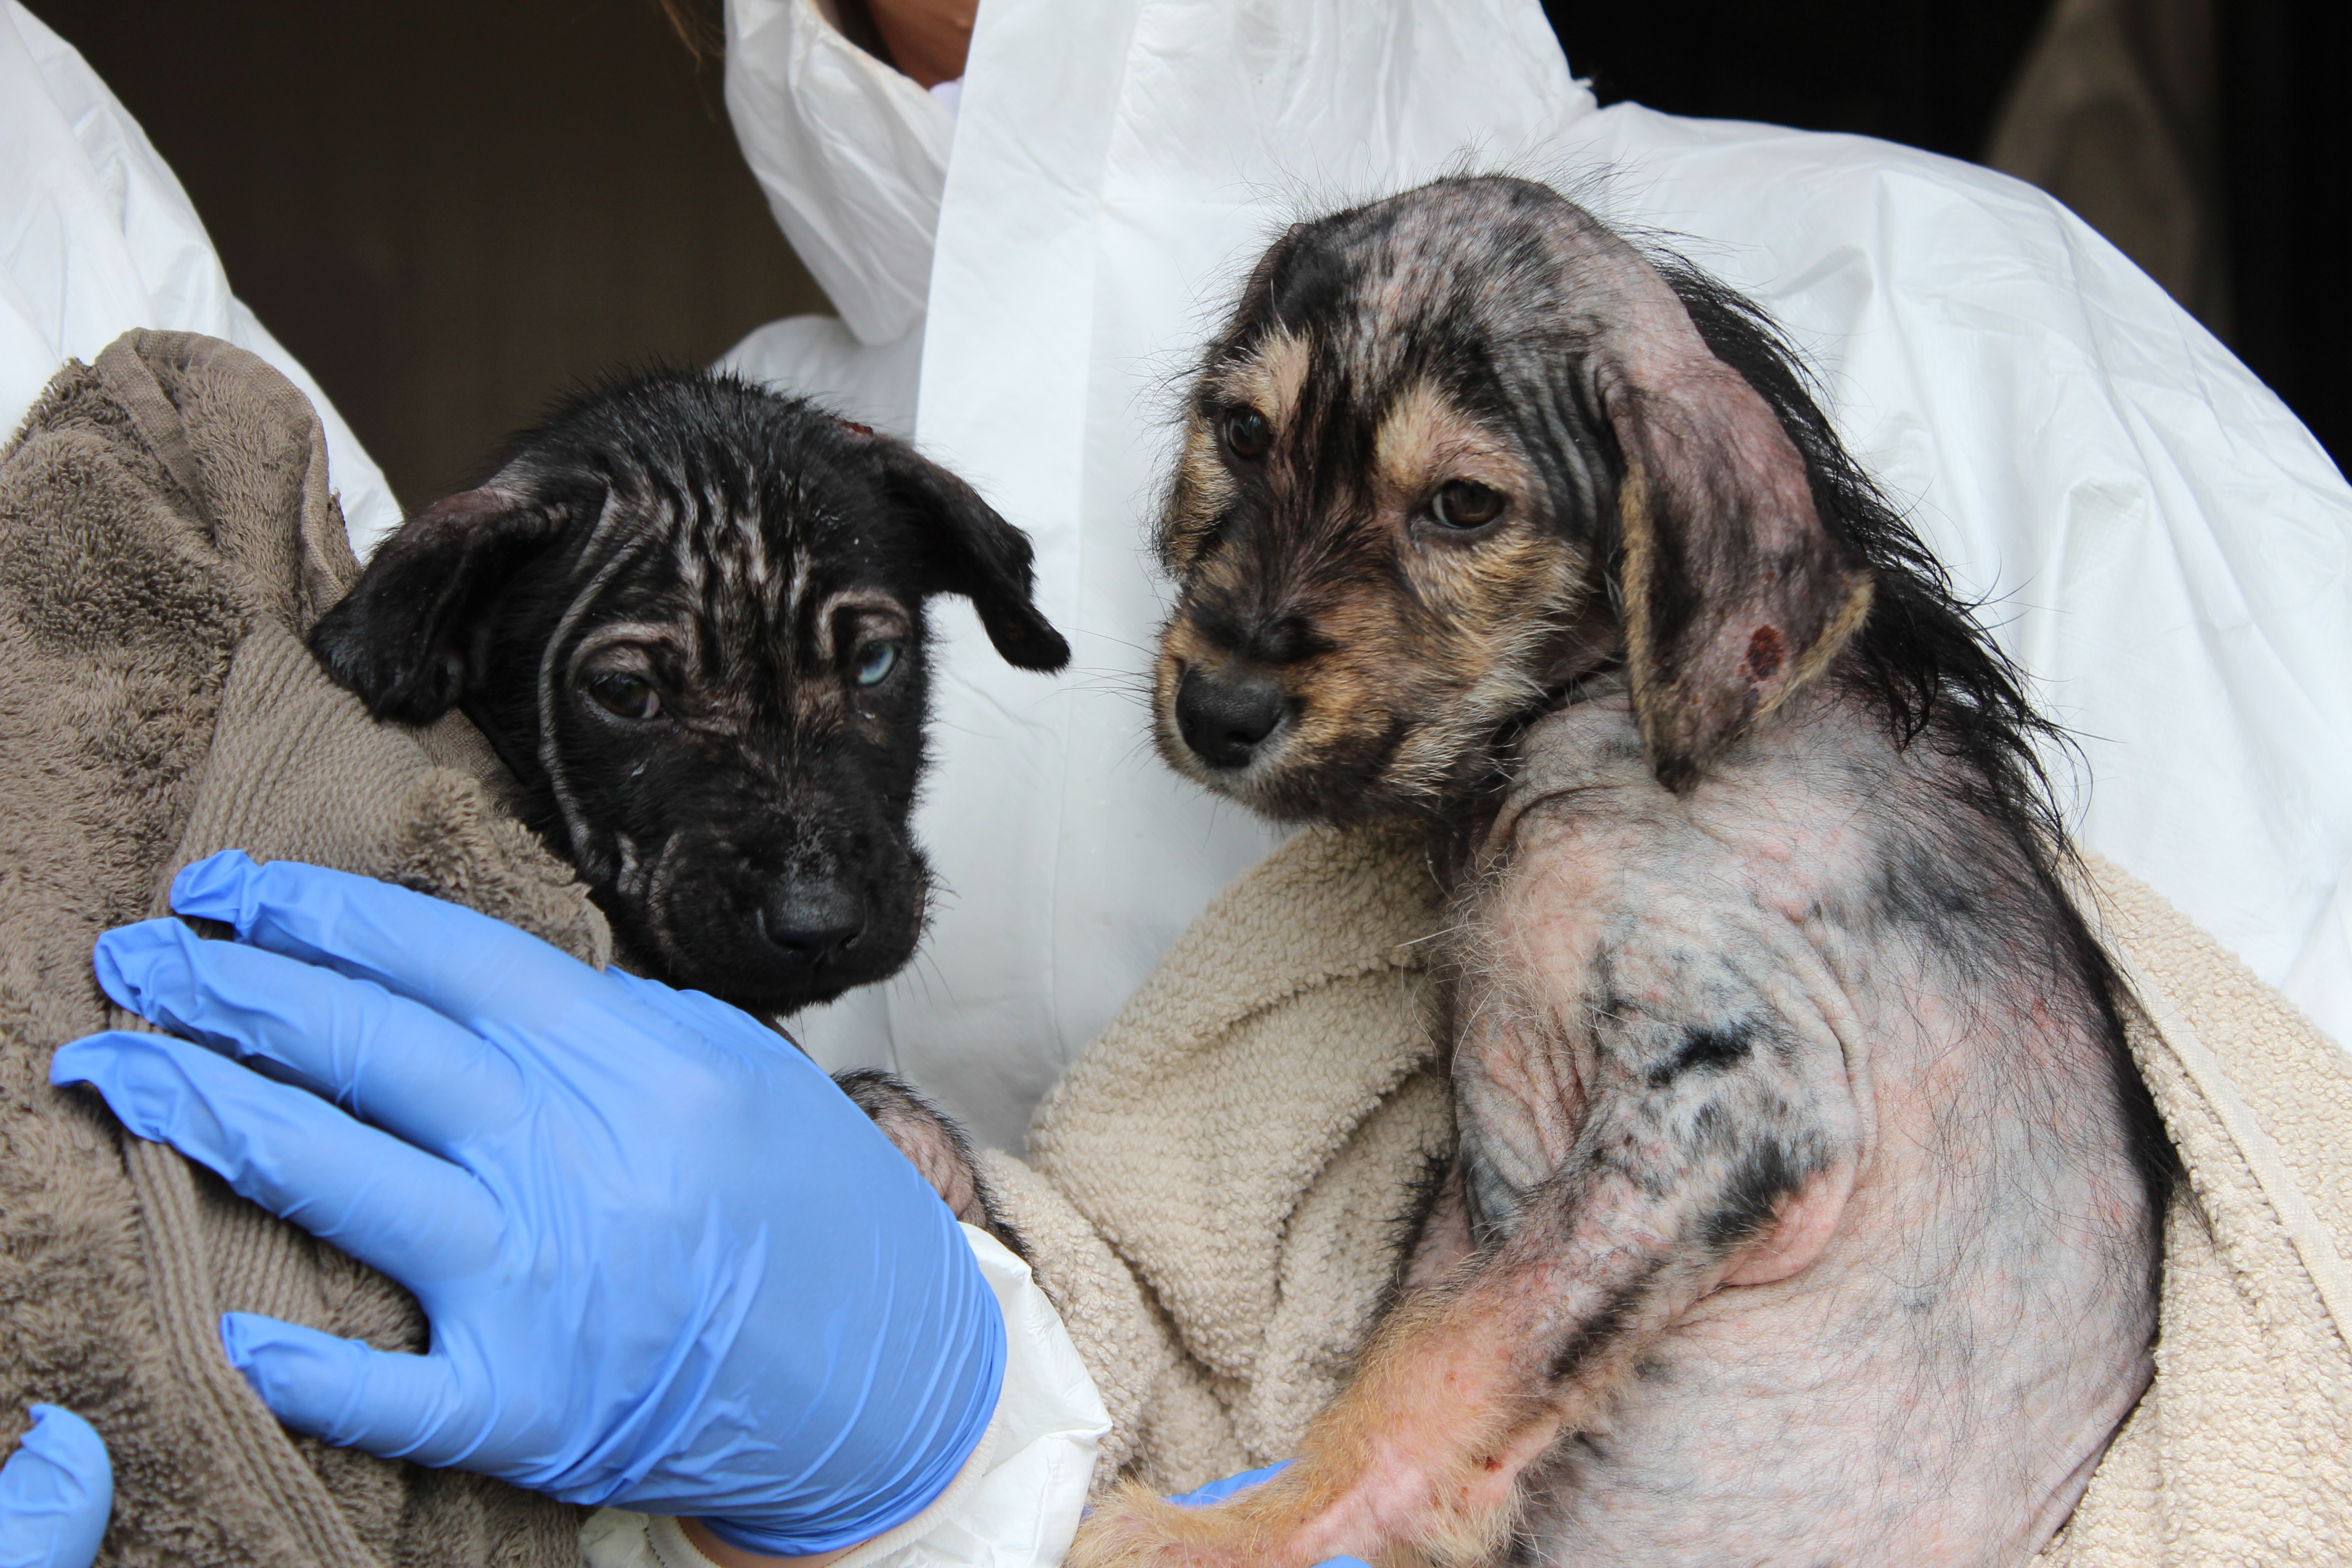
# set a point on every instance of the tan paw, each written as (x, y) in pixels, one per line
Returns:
(1136, 1529)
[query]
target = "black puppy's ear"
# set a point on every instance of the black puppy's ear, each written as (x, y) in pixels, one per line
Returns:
(401, 639)
(973, 551)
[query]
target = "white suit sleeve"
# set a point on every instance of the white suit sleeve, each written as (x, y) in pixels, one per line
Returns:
(1015, 1503)
(102, 239)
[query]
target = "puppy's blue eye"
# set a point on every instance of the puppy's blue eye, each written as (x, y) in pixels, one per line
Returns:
(875, 660)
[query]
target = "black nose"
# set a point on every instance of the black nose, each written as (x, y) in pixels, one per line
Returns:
(807, 919)
(1225, 718)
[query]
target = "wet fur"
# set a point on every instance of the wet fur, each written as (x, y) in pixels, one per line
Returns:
(1807, 1204)
(936, 1145)
(734, 550)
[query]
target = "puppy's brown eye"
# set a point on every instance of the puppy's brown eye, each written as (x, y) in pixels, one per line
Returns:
(1246, 433)
(625, 696)
(1466, 504)
(875, 660)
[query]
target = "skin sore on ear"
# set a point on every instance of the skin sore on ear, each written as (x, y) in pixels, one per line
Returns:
(1745, 603)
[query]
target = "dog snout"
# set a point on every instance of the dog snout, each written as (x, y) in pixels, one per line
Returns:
(809, 919)
(1226, 715)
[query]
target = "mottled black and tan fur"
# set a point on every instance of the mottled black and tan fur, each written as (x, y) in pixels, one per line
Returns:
(1807, 1205)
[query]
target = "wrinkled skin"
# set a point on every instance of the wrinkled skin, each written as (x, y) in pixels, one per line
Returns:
(1792, 1154)
(1806, 1205)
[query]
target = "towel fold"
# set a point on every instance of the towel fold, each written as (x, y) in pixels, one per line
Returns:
(168, 535)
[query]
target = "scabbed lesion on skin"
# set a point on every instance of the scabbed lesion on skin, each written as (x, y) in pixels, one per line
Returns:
(1806, 1202)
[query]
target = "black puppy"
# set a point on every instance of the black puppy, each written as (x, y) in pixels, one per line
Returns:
(690, 614)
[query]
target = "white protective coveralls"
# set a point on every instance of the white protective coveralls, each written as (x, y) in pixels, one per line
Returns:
(2159, 541)
(96, 238)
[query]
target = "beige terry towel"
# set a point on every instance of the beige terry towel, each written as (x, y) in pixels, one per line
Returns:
(1215, 1187)
(166, 535)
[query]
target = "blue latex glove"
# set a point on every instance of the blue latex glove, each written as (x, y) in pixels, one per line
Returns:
(56, 1492)
(1218, 1491)
(667, 1265)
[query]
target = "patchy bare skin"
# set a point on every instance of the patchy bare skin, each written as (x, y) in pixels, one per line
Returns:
(1806, 1205)
(1786, 1225)
(1764, 1139)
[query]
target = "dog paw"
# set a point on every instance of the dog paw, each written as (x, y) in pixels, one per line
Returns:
(935, 1146)
(1135, 1529)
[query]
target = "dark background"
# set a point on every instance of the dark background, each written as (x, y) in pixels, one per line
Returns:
(1934, 73)
(450, 208)
(1927, 72)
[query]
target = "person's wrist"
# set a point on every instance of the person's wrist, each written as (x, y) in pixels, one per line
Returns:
(729, 1556)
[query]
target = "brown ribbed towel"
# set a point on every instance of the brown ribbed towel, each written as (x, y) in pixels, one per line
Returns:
(1213, 1189)
(166, 536)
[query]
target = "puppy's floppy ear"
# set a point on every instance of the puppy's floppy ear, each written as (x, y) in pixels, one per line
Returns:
(971, 550)
(402, 639)
(1735, 593)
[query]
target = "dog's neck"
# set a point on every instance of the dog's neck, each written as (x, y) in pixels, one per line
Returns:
(514, 754)
(1458, 825)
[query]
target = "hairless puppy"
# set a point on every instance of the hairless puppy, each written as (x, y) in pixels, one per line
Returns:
(1806, 1207)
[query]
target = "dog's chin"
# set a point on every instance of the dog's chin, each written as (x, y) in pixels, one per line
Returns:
(712, 946)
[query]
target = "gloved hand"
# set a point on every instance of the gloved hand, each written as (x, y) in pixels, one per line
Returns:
(1218, 1491)
(667, 1265)
(55, 1493)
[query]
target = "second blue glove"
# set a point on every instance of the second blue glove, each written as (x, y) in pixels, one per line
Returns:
(1218, 1491)
(667, 1264)
(55, 1493)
